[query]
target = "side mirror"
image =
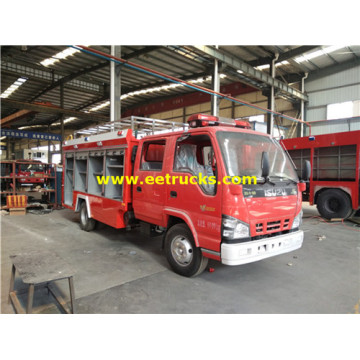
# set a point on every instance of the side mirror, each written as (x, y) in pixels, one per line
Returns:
(306, 173)
(265, 165)
(302, 186)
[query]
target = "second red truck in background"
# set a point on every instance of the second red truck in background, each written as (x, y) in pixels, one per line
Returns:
(334, 181)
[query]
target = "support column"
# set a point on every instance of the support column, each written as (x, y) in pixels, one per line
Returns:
(12, 150)
(215, 101)
(115, 85)
(62, 122)
(302, 108)
(271, 100)
(49, 155)
(8, 150)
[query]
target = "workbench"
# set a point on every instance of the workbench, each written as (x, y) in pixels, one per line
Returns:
(40, 268)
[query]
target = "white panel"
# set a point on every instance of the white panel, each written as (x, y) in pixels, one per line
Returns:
(357, 108)
(355, 124)
(316, 114)
(333, 96)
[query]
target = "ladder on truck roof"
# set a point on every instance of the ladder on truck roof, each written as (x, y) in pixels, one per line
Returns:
(140, 126)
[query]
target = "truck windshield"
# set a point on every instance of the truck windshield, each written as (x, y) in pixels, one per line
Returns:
(31, 167)
(242, 153)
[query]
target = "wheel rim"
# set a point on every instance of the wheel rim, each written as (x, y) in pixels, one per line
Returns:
(181, 250)
(84, 216)
(334, 205)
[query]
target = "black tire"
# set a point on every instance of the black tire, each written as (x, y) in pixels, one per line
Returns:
(183, 256)
(86, 223)
(334, 203)
(357, 213)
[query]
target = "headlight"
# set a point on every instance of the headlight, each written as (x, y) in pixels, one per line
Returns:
(233, 228)
(297, 221)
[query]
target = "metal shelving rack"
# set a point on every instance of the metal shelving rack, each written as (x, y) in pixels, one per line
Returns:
(9, 172)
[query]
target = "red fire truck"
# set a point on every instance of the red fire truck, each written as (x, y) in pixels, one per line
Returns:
(30, 172)
(334, 182)
(222, 219)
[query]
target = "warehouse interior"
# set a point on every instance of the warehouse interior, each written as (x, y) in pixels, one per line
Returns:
(55, 91)
(51, 93)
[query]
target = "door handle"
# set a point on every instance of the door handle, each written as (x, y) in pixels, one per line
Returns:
(138, 189)
(173, 194)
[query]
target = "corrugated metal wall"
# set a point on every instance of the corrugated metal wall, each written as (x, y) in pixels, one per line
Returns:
(339, 87)
(334, 126)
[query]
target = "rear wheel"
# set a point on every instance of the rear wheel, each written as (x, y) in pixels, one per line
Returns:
(183, 256)
(334, 203)
(86, 223)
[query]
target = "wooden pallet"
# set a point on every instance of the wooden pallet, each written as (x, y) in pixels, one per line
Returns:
(17, 211)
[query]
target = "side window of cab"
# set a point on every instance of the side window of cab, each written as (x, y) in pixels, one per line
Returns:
(195, 155)
(152, 155)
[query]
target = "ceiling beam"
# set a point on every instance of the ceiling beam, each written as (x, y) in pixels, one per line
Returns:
(283, 56)
(292, 77)
(90, 69)
(16, 116)
(54, 110)
(332, 69)
(149, 86)
(249, 71)
(161, 83)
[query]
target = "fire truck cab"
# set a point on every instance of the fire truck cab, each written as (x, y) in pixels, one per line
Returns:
(189, 184)
(30, 172)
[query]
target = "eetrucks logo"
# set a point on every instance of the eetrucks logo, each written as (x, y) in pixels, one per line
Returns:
(206, 208)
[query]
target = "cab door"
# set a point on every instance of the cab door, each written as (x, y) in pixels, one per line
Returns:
(149, 191)
(198, 204)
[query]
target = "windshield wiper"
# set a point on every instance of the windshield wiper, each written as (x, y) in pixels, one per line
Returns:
(263, 180)
(289, 180)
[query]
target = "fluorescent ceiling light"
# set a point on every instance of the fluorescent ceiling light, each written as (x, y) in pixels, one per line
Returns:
(100, 106)
(59, 56)
(315, 54)
(153, 89)
(167, 87)
(13, 87)
(67, 120)
(285, 62)
(30, 127)
(266, 66)
(262, 67)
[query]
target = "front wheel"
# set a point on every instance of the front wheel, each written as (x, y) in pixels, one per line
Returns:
(183, 256)
(86, 223)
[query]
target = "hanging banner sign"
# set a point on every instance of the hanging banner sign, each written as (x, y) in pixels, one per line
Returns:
(2, 147)
(31, 135)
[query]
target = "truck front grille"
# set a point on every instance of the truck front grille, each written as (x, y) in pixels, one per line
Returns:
(271, 226)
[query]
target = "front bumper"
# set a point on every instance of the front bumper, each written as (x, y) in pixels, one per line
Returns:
(243, 253)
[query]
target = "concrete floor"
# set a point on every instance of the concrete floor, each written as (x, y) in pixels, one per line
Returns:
(127, 272)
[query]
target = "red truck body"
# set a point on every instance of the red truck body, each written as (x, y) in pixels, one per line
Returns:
(232, 223)
(334, 182)
(29, 173)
